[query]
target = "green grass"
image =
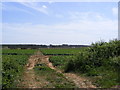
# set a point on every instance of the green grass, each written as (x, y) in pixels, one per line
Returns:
(55, 79)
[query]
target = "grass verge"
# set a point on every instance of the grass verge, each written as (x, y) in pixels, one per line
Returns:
(56, 80)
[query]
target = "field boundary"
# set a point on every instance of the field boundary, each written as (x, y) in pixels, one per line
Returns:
(36, 54)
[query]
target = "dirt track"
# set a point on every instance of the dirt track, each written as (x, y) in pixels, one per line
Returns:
(30, 79)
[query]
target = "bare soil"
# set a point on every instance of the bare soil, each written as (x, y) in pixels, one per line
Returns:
(31, 80)
(79, 81)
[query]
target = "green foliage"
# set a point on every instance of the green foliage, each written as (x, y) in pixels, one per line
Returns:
(60, 61)
(56, 80)
(100, 55)
(19, 51)
(12, 66)
(61, 50)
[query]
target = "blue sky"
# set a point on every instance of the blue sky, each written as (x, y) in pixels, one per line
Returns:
(59, 22)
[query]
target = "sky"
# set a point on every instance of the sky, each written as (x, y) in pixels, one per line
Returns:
(58, 22)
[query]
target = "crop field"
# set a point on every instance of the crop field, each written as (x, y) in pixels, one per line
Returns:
(62, 50)
(12, 66)
(100, 63)
(19, 51)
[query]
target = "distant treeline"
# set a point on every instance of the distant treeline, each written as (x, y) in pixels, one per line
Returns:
(33, 46)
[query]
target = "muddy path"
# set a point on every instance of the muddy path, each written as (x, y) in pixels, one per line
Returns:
(31, 80)
(79, 81)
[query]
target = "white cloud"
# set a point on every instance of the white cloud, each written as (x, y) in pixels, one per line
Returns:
(36, 6)
(11, 8)
(83, 28)
(86, 16)
(60, 0)
(81, 32)
(44, 6)
(51, 2)
(115, 11)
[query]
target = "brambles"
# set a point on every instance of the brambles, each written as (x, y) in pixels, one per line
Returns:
(102, 59)
(60, 61)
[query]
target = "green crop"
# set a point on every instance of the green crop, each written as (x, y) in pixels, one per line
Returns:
(61, 50)
(13, 66)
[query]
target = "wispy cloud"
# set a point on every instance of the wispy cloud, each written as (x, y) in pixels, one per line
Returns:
(61, 0)
(14, 8)
(36, 6)
(79, 28)
(51, 1)
(77, 32)
(44, 6)
(33, 5)
(86, 16)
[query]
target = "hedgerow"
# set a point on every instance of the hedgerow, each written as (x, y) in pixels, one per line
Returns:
(92, 61)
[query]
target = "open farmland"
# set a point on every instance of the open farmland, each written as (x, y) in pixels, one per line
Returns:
(90, 67)
(13, 65)
(18, 51)
(62, 50)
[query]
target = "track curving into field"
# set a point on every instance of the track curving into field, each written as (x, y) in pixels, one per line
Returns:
(30, 79)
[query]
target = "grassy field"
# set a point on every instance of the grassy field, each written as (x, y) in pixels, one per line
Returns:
(101, 63)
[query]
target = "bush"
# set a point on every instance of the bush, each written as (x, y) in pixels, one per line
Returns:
(99, 55)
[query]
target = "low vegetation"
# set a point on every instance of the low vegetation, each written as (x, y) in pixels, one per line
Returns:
(60, 61)
(100, 62)
(54, 79)
(61, 50)
(12, 66)
(19, 51)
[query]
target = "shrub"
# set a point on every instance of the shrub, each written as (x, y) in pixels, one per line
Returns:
(99, 55)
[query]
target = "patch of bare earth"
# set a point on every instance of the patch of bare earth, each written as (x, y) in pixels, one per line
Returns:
(30, 80)
(79, 81)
